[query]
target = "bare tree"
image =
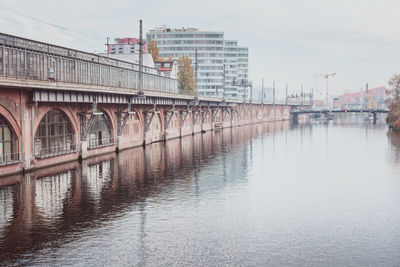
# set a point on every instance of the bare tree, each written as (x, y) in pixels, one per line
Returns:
(393, 117)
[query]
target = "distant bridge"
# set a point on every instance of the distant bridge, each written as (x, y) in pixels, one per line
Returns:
(326, 112)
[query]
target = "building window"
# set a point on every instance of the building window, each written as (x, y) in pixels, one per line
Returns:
(8, 144)
(100, 135)
(54, 136)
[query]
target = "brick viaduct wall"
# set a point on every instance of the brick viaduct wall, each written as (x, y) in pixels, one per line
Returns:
(143, 127)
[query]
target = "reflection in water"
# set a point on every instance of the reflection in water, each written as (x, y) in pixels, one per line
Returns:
(6, 207)
(51, 193)
(99, 176)
(253, 195)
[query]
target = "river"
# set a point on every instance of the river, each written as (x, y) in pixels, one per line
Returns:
(275, 194)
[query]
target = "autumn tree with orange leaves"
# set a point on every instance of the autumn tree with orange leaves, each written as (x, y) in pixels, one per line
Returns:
(186, 79)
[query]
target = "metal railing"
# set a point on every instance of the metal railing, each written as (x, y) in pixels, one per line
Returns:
(10, 158)
(27, 59)
(103, 142)
(52, 151)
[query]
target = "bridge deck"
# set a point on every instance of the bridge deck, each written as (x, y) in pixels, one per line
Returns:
(32, 65)
(339, 111)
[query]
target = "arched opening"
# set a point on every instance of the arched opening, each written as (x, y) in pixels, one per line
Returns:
(54, 135)
(8, 143)
(100, 134)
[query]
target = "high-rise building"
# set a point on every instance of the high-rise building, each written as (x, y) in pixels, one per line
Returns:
(243, 72)
(214, 56)
(231, 68)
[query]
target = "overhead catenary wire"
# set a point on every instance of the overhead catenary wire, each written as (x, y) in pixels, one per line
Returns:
(87, 34)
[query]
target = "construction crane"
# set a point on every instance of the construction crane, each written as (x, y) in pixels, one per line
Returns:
(326, 76)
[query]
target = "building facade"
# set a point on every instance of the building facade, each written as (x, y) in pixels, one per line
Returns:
(125, 46)
(218, 59)
(371, 99)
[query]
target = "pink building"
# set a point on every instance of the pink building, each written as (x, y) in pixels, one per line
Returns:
(371, 98)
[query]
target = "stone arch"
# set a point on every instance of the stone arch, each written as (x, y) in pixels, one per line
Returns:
(234, 117)
(101, 133)
(175, 121)
(9, 140)
(110, 118)
(66, 111)
(155, 129)
(286, 113)
(138, 117)
(9, 117)
(218, 116)
(54, 134)
(278, 113)
(134, 120)
(207, 118)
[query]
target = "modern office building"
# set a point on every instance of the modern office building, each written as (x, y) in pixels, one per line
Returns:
(231, 68)
(243, 72)
(214, 56)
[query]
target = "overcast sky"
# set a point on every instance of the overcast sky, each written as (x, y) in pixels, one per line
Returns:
(290, 41)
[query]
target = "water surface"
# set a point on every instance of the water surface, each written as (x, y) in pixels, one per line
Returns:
(270, 194)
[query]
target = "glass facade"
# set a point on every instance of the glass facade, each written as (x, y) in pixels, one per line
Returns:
(214, 54)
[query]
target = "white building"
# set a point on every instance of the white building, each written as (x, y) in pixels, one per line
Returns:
(127, 49)
(125, 46)
(213, 53)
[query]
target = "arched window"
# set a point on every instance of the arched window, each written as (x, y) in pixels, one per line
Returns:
(8, 144)
(100, 134)
(54, 136)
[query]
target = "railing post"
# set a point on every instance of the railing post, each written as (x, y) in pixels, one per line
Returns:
(25, 65)
(3, 51)
(44, 67)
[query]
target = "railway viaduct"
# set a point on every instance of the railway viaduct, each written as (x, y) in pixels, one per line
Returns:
(58, 105)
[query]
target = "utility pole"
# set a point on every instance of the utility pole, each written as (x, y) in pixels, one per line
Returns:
(108, 46)
(195, 71)
(301, 96)
(262, 89)
(286, 96)
(251, 93)
(311, 97)
(223, 80)
(273, 93)
(216, 87)
(141, 43)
